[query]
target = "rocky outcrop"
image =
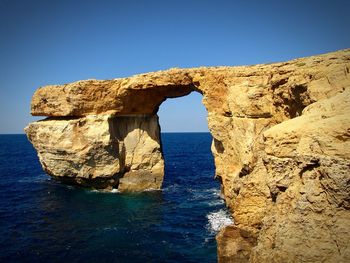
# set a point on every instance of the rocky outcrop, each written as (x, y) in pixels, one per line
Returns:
(307, 169)
(295, 203)
(281, 136)
(101, 151)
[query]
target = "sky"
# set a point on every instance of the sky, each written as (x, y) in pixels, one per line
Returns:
(46, 42)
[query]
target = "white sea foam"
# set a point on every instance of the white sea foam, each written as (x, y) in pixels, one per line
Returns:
(151, 190)
(113, 191)
(218, 220)
(171, 188)
(213, 191)
(216, 202)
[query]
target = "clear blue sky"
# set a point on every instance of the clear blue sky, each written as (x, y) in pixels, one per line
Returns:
(57, 41)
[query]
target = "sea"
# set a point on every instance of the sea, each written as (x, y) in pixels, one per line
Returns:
(43, 220)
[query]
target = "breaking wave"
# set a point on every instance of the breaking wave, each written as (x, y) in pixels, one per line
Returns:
(218, 220)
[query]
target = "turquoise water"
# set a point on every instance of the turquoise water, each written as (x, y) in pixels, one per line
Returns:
(45, 221)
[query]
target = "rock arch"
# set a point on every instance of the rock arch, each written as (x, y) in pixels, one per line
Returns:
(281, 140)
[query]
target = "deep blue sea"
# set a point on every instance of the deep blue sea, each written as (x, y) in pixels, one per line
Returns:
(42, 220)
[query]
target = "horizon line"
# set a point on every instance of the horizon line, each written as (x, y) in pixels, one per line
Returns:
(160, 132)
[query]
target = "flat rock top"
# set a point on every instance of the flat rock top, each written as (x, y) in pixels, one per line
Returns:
(143, 93)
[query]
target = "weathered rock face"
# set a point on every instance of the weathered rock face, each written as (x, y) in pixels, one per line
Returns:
(281, 146)
(101, 151)
(296, 200)
(307, 170)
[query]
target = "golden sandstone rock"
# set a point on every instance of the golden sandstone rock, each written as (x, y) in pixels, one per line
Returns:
(98, 150)
(281, 140)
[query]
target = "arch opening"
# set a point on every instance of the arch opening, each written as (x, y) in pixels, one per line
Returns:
(196, 211)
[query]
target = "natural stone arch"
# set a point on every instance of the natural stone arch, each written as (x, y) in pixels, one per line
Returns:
(264, 151)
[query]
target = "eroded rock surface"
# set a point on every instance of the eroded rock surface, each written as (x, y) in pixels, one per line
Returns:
(281, 137)
(101, 151)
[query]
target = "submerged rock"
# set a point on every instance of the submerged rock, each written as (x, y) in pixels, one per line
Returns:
(281, 140)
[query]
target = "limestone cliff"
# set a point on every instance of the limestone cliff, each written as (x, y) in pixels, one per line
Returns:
(281, 135)
(101, 151)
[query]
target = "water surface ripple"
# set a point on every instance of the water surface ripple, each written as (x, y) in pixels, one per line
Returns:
(45, 221)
